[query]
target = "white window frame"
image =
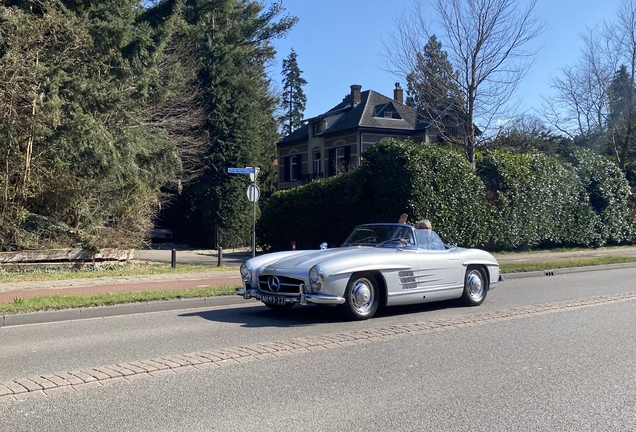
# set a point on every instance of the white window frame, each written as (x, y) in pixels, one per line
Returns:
(317, 161)
(292, 167)
(340, 158)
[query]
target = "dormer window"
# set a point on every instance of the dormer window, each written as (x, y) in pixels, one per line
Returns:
(317, 127)
(386, 111)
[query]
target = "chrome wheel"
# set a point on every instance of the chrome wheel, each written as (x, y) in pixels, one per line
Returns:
(475, 287)
(362, 296)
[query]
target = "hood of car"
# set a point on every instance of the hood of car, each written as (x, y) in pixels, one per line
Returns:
(307, 259)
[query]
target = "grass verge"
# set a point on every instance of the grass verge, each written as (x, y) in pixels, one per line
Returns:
(58, 301)
(539, 266)
(132, 268)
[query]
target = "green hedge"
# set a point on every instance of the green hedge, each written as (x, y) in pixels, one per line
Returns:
(321, 211)
(609, 193)
(506, 202)
(538, 201)
(427, 182)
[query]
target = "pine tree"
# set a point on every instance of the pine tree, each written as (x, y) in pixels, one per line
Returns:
(431, 85)
(78, 77)
(293, 99)
(233, 45)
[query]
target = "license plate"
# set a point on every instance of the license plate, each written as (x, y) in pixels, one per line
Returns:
(273, 299)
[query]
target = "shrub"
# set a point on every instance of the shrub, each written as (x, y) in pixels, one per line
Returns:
(510, 201)
(539, 201)
(425, 181)
(428, 182)
(608, 191)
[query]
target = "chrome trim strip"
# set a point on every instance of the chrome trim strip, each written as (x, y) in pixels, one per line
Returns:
(423, 290)
(303, 298)
(323, 299)
(371, 267)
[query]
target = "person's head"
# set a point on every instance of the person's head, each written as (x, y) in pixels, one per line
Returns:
(424, 224)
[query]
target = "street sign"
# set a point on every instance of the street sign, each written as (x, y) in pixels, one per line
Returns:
(253, 193)
(248, 170)
(254, 174)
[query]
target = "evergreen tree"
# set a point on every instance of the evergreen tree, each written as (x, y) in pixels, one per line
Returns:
(293, 99)
(622, 115)
(431, 86)
(78, 76)
(233, 44)
(106, 106)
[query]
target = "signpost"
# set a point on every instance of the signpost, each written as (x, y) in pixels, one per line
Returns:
(246, 170)
(253, 194)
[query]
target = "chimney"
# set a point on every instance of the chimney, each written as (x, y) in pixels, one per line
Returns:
(355, 94)
(398, 93)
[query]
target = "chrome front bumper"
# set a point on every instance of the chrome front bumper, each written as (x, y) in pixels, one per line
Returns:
(303, 298)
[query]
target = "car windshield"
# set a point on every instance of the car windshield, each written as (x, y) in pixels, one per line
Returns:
(385, 235)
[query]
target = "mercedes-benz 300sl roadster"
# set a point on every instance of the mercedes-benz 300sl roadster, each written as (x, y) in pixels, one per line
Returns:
(379, 265)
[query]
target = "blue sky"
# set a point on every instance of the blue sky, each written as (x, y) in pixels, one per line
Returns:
(340, 42)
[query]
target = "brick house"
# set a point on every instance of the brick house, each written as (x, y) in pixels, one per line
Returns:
(332, 142)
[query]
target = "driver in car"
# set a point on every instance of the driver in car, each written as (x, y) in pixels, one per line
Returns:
(426, 237)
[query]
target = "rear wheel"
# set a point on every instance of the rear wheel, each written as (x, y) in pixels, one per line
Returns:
(362, 296)
(475, 286)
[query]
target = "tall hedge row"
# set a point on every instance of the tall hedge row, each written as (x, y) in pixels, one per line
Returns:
(427, 182)
(506, 202)
(321, 211)
(537, 201)
(608, 193)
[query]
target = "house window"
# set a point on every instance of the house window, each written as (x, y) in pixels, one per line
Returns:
(341, 161)
(293, 168)
(316, 127)
(317, 163)
(388, 114)
(453, 131)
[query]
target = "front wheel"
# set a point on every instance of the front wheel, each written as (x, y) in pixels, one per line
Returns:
(362, 296)
(475, 286)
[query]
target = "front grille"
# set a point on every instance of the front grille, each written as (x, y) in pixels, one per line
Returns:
(288, 285)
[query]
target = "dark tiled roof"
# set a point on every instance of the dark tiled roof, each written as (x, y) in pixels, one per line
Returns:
(299, 135)
(362, 116)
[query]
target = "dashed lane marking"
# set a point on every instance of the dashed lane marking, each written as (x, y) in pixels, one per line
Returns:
(50, 384)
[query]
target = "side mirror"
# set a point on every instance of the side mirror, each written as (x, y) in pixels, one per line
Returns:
(323, 246)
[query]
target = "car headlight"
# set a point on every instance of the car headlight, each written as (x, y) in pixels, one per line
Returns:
(246, 271)
(315, 274)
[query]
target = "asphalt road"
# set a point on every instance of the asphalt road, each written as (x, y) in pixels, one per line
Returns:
(565, 366)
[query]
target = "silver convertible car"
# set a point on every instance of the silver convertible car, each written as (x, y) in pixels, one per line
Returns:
(381, 264)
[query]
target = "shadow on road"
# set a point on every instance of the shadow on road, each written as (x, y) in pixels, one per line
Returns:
(262, 316)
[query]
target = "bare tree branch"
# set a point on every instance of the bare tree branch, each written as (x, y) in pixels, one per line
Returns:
(487, 45)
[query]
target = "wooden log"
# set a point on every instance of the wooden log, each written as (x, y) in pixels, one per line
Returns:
(65, 255)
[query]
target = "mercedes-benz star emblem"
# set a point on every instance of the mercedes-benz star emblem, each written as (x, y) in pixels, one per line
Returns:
(273, 283)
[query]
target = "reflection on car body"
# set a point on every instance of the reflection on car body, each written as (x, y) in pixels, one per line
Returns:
(378, 265)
